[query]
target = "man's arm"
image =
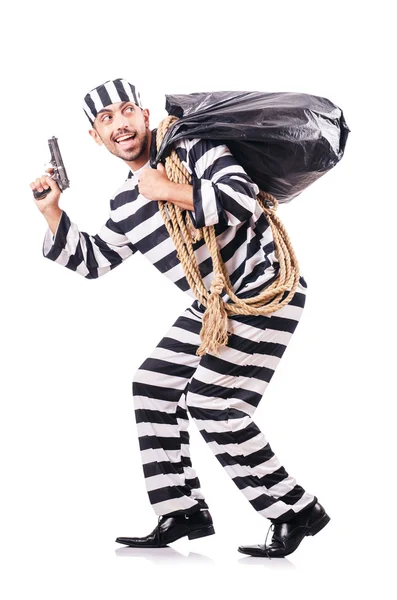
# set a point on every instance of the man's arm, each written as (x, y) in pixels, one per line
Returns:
(53, 217)
(88, 255)
(181, 194)
(221, 189)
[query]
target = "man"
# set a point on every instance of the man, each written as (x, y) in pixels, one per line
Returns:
(220, 392)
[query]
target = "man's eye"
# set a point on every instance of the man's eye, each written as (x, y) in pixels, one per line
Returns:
(105, 117)
(130, 108)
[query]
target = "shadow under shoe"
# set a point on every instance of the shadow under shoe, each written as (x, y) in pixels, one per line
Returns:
(171, 528)
(288, 535)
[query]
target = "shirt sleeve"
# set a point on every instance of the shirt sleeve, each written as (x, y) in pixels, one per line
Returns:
(222, 190)
(88, 255)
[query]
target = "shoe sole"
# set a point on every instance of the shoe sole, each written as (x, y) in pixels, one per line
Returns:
(192, 535)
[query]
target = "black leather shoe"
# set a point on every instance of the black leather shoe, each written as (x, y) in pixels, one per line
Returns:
(288, 535)
(169, 529)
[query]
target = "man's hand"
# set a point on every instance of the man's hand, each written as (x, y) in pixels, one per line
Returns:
(48, 206)
(154, 183)
(50, 202)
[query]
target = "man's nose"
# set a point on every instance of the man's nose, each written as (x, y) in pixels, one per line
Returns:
(121, 122)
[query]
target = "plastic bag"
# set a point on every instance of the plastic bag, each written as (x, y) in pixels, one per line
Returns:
(284, 141)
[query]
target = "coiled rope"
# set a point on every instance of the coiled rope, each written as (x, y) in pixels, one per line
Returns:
(214, 332)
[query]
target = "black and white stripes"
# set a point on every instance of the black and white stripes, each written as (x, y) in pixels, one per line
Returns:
(110, 92)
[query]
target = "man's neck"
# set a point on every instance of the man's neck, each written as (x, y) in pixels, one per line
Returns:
(134, 165)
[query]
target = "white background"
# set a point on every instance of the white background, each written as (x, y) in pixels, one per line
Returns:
(71, 475)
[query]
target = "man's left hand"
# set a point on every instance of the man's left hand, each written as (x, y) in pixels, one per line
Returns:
(154, 183)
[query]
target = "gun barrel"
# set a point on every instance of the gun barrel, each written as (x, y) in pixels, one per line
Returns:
(60, 174)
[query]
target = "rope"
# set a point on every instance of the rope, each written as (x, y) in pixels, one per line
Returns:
(214, 332)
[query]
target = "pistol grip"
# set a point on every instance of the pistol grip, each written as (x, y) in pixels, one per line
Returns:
(41, 195)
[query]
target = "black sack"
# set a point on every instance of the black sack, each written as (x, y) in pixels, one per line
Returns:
(284, 141)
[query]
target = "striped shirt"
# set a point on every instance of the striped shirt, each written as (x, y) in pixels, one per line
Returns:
(223, 196)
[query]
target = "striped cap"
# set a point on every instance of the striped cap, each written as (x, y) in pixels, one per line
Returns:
(110, 92)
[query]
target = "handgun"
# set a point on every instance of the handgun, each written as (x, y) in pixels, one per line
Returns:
(59, 175)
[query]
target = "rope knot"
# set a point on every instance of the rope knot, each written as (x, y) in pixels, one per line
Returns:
(217, 285)
(213, 333)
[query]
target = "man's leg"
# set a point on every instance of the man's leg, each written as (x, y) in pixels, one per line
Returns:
(191, 480)
(223, 395)
(159, 392)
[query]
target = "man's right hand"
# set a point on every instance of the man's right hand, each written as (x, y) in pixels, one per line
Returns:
(49, 202)
(48, 206)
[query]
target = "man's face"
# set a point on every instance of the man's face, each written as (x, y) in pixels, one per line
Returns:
(124, 130)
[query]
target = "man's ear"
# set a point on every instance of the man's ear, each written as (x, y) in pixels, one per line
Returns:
(93, 133)
(146, 115)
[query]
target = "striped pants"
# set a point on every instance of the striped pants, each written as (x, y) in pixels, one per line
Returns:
(221, 394)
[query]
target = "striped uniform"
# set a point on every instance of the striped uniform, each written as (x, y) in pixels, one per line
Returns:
(220, 392)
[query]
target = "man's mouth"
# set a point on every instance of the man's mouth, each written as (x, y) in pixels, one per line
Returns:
(126, 140)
